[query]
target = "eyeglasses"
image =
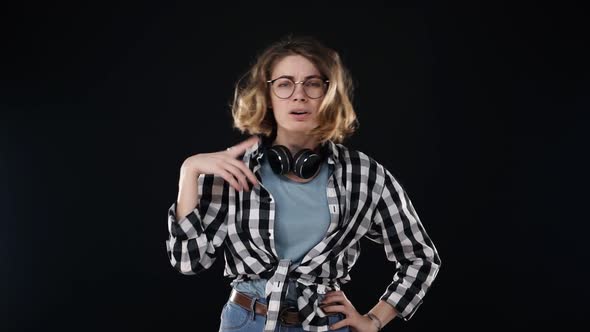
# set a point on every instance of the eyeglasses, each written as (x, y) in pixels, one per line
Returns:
(283, 87)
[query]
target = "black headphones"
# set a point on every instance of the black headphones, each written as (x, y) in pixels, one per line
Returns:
(304, 164)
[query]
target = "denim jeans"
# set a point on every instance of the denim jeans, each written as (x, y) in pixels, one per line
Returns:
(234, 318)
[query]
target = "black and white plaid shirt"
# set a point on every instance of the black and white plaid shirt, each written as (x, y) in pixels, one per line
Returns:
(364, 199)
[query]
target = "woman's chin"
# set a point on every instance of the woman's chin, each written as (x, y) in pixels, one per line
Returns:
(298, 127)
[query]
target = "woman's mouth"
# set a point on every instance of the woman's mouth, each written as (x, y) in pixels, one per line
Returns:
(299, 115)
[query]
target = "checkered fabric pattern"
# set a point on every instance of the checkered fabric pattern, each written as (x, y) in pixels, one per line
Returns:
(365, 201)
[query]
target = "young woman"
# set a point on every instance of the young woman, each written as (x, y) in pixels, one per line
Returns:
(290, 204)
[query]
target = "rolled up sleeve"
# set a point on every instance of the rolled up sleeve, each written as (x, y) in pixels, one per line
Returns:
(195, 239)
(396, 225)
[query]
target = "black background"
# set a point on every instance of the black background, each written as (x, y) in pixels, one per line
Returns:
(479, 110)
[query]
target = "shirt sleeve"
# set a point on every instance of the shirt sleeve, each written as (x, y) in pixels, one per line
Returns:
(397, 226)
(195, 239)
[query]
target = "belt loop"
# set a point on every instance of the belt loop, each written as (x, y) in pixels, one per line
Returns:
(253, 306)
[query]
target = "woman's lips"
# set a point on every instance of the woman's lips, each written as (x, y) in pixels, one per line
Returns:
(300, 117)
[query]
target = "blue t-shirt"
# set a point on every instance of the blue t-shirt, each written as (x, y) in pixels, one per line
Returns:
(301, 220)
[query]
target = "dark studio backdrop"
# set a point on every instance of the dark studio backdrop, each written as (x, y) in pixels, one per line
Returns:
(480, 111)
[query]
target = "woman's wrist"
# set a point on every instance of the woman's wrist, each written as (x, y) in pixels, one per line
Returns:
(375, 320)
(188, 166)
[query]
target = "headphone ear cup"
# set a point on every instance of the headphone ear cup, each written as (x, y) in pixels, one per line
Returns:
(280, 159)
(306, 163)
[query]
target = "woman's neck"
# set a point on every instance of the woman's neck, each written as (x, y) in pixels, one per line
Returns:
(296, 142)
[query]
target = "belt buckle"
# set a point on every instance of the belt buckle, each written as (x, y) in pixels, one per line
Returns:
(282, 316)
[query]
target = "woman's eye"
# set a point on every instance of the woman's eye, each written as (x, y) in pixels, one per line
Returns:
(314, 84)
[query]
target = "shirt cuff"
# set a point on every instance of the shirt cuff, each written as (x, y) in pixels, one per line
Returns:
(189, 227)
(405, 305)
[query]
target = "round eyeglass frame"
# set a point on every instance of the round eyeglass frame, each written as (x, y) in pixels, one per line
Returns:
(325, 81)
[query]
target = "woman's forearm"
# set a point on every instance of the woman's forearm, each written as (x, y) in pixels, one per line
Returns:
(188, 195)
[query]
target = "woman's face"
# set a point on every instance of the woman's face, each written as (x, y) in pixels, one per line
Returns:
(298, 68)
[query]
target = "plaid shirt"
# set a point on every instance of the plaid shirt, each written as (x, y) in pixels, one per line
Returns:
(365, 200)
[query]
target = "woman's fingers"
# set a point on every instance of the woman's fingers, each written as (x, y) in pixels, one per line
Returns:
(334, 293)
(233, 170)
(240, 148)
(227, 176)
(335, 308)
(238, 174)
(245, 170)
(333, 300)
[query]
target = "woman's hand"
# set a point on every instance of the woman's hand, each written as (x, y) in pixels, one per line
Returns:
(225, 164)
(336, 301)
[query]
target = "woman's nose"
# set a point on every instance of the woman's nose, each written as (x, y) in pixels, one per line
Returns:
(299, 93)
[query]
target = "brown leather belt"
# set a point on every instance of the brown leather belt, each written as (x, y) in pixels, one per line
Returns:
(288, 315)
